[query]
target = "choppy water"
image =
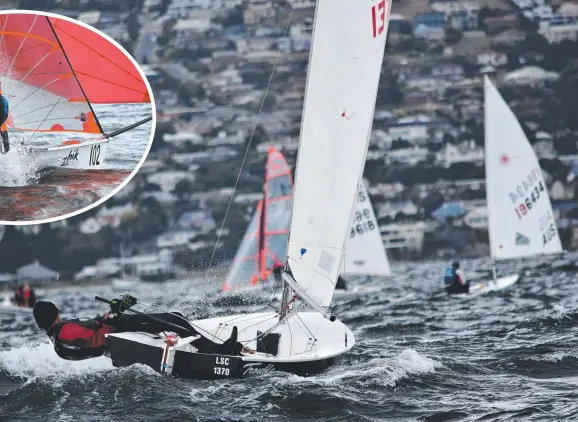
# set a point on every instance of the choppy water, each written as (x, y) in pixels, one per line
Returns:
(419, 356)
(30, 193)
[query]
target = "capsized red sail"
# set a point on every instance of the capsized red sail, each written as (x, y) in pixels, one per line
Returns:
(265, 242)
(51, 70)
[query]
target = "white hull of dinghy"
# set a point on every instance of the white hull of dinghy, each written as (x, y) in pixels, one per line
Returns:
(7, 307)
(83, 156)
(308, 343)
(492, 285)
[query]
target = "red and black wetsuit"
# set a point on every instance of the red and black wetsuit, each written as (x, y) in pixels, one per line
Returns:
(78, 340)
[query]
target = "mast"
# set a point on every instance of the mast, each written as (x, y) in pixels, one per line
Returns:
(488, 181)
(75, 77)
(262, 257)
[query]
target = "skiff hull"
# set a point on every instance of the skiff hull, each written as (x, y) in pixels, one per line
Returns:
(83, 156)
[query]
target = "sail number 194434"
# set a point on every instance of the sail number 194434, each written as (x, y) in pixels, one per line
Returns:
(523, 208)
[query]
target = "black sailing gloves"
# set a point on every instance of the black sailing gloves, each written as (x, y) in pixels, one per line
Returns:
(118, 306)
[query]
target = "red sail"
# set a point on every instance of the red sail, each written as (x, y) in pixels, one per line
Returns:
(278, 202)
(265, 242)
(105, 73)
(52, 69)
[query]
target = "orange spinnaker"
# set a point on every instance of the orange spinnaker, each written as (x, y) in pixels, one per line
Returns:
(33, 54)
(52, 69)
(105, 72)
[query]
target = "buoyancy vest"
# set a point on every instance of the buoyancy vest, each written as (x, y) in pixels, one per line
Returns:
(451, 277)
(73, 352)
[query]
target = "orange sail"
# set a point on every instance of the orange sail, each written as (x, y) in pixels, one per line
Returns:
(264, 244)
(52, 70)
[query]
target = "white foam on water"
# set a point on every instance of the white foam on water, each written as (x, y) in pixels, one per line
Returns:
(16, 167)
(41, 361)
(388, 370)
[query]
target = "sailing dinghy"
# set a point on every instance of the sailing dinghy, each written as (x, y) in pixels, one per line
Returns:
(520, 218)
(265, 241)
(264, 244)
(346, 55)
(52, 71)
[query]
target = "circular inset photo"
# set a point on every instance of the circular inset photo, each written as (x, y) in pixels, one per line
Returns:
(77, 117)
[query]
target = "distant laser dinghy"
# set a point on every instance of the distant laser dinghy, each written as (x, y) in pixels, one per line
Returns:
(520, 217)
(52, 71)
(342, 81)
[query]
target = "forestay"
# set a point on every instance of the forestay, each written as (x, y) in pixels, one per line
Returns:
(364, 252)
(520, 218)
(344, 67)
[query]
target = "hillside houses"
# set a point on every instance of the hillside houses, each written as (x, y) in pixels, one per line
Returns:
(211, 62)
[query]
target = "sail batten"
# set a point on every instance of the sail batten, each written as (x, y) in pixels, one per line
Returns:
(341, 90)
(520, 217)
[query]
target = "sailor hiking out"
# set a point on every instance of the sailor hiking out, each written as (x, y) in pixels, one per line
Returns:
(85, 339)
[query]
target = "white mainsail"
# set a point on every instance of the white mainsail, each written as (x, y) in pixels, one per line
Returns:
(520, 218)
(364, 252)
(344, 67)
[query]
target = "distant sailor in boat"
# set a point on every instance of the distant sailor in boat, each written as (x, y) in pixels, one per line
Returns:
(79, 340)
(24, 296)
(5, 147)
(455, 281)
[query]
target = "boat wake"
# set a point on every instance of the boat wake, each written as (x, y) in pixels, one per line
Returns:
(57, 192)
(40, 361)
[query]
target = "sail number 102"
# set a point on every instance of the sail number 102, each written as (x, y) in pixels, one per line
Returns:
(93, 159)
(523, 208)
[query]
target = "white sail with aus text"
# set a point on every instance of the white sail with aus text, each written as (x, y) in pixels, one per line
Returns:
(345, 62)
(520, 217)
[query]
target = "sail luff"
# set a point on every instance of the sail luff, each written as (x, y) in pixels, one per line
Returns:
(75, 77)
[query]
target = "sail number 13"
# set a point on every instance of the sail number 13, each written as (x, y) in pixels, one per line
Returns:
(523, 208)
(378, 18)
